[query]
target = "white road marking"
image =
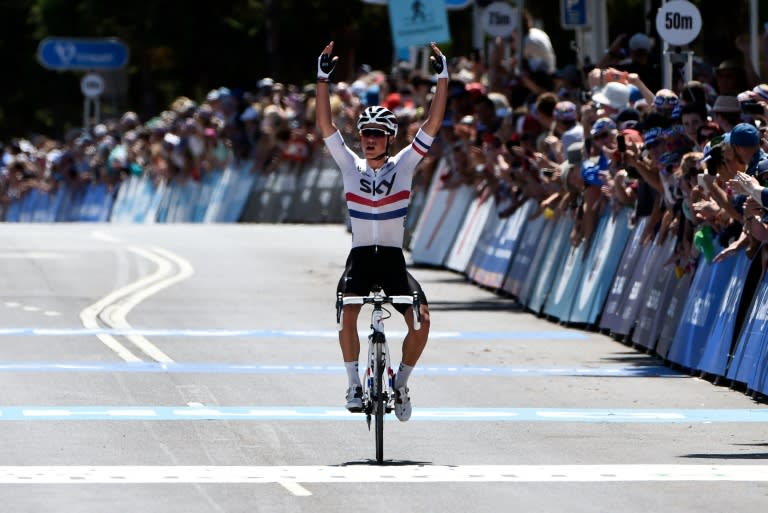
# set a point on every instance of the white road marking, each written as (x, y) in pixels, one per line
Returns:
(31, 308)
(115, 306)
(293, 477)
(12, 304)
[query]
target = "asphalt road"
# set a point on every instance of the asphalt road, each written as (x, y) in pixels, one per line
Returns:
(183, 368)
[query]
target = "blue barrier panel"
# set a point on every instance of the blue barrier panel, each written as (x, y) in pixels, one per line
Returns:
(655, 298)
(12, 211)
(748, 360)
(208, 183)
(239, 192)
(671, 317)
(495, 266)
(185, 198)
(611, 314)
(717, 348)
(26, 208)
(634, 288)
(94, 202)
(565, 284)
(494, 225)
(439, 223)
(469, 231)
(41, 206)
(600, 267)
(530, 250)
(552, 262)
(155, 204)
(701, 307)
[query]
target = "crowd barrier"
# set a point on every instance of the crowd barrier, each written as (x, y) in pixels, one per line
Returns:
(311, 193)
(711, 320)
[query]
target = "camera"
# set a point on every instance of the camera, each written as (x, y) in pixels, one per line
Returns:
(752, 107)
(715, 159)
(622, 143)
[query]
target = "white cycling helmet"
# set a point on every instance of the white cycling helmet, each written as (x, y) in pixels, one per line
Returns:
(377, 115)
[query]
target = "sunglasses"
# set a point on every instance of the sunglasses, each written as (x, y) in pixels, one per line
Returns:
(373, 132)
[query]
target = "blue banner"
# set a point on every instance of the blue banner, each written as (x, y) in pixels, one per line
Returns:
(717, 345)
(749, 358)
(656, 298)
(551, 264)
(528, 258)
(600, 269)
(494, 267)
(611, 314)
(701, 307)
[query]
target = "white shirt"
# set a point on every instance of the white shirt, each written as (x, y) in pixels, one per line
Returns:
(377, 201)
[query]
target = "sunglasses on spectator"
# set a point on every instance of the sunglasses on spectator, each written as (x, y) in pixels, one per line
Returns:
(373, 132)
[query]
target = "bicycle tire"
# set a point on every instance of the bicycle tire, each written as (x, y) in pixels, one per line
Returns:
(380, 403)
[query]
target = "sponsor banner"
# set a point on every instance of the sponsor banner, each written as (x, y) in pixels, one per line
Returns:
(642, 276)
(566, 283)
(717, 342)
(439, 222)
(601, 267)
(610, 316)
(750, 358)
(474, 221)
(671, 316)
(698, 316)
(528, 258)
(496, 264)
(655, 298)
(494, 227)
(552, 261)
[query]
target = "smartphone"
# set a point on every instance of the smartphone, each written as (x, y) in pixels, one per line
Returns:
(622, 143)
(546, 172)
(700, 181)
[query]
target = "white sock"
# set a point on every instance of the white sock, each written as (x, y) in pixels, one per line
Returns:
(403, 373)
(353, 373)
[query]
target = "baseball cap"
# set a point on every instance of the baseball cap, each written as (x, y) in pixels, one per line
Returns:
(745, 134)
(640, 41)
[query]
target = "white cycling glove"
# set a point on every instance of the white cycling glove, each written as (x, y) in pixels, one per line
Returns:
(325, 66)
(439, 65)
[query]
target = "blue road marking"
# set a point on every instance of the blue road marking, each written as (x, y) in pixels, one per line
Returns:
(306, 368)
(247, 333)
(189, 413)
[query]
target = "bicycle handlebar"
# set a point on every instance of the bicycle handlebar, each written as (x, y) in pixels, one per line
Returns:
(378, 300)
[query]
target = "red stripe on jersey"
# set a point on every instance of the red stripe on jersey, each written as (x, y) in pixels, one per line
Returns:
(354, 198)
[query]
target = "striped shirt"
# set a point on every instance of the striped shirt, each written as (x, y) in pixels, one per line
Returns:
(377, 201)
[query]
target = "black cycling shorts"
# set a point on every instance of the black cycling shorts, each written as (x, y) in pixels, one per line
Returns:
(379, 265)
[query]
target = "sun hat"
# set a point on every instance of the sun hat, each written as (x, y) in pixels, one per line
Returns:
(614, 95)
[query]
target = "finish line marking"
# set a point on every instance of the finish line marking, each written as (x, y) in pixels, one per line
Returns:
(293, 477)
(335, 369)
(293, 413)
(247, 333)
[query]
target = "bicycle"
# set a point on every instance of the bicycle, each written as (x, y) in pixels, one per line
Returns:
(378, 393)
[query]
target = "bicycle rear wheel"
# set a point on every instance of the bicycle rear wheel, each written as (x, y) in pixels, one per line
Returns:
(379, 401)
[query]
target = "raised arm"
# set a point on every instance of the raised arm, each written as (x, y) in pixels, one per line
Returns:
(436, 112)
(325, 66)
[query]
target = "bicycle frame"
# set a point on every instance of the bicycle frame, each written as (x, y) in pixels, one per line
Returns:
(378, 392)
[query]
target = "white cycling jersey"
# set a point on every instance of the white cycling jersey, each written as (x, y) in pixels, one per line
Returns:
(377, 201)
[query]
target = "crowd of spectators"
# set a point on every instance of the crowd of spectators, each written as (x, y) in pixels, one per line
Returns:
(690, 159)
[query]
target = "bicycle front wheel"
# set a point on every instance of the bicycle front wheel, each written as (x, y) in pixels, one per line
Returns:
(380, 402)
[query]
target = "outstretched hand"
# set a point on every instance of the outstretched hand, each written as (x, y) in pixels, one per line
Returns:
(326, 63)
(438, 62)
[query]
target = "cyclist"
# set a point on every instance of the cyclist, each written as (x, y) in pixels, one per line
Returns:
(377, 190)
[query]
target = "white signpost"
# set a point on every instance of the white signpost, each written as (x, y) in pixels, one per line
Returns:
(678, 23)
(92, 87)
